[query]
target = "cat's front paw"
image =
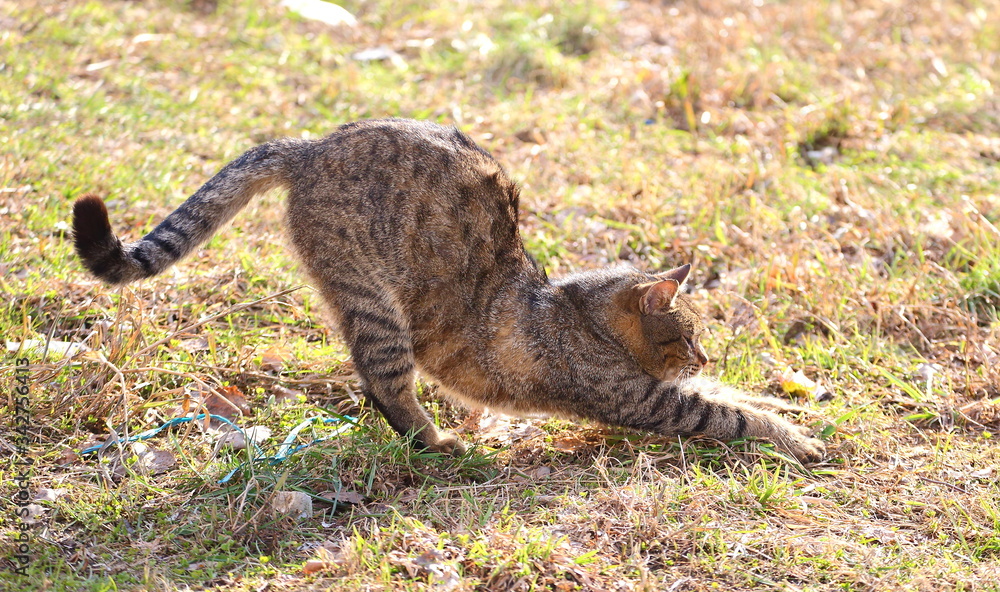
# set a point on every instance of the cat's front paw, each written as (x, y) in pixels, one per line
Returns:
(805, 448)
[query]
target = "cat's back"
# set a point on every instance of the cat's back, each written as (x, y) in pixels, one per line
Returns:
(392, 154)
(417, 200)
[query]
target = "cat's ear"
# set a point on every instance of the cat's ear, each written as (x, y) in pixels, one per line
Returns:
(679, 274)
(657, 297)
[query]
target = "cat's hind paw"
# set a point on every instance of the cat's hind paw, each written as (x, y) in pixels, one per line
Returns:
(446, 443)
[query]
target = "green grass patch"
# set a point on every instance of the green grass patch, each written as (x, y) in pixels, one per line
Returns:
(831, 175)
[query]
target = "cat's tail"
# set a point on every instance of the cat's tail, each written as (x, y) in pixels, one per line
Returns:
(195, 221)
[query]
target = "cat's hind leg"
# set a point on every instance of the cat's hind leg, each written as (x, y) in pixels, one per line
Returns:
(382, 350)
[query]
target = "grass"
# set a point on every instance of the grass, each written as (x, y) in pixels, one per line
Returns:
(830, 170)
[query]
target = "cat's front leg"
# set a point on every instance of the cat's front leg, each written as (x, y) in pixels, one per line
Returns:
(770, 403)
(702, 406)
(791, 438)
(725, 413)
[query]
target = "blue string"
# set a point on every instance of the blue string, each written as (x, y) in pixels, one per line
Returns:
(284, 451)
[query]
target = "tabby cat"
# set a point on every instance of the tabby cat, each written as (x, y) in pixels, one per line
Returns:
(409, 231)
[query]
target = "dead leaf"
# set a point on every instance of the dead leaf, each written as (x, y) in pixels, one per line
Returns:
(796, 383)
(202, 565)
(224, 401)
(52, 348)
(273, 360)
(531, 135)
(324, 12)
(526, 431)
(744, 315)
(534, 474)
(49, 495)
(344, 496)
(34, 511)
(68, 456)
(380, 54)
(148, 546)
(570, 444)
(495, 426)
(195, 344)
(151, 461)
(984, 412)
(324, 560)
(442, 575)
(312, 566)
(238, 440)
(287, 396)
(409, 494)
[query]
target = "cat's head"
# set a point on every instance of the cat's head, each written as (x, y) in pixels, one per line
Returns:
(660, 326)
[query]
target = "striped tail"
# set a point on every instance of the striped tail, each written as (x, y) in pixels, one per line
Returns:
(195, 221)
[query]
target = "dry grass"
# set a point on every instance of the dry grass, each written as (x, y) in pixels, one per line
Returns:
(829, 168)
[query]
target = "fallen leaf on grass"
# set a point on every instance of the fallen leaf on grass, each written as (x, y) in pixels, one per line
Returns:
(202, 565)
(531, 135)
(324, 12)
(380, 54)
(33, 513)
(441, 575)
(505, 429)
(151, 461)
(227, 401)
(52, 349)
(409, 494)
(195, 344)
(287, 396)
(224, 401)
(570, 444)
(49, 495)
(344, 496)
(273, 360)
(797, 383)
(985, 412)
(238, 440)
(68, 456)
(534, 474)
(324, 560)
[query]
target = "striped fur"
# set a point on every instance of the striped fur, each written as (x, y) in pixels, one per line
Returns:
(214, 204)
(409, 231)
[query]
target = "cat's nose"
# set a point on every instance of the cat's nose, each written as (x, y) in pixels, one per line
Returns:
(700, 354)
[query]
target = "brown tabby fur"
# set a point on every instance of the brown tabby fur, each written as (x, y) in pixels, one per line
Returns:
(409, 231)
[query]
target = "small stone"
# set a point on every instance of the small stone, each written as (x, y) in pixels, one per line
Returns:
(237, 441)
(292, 503)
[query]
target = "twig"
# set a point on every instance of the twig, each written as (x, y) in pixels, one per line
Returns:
(946, 484)
(226, 312)
(340, 378)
